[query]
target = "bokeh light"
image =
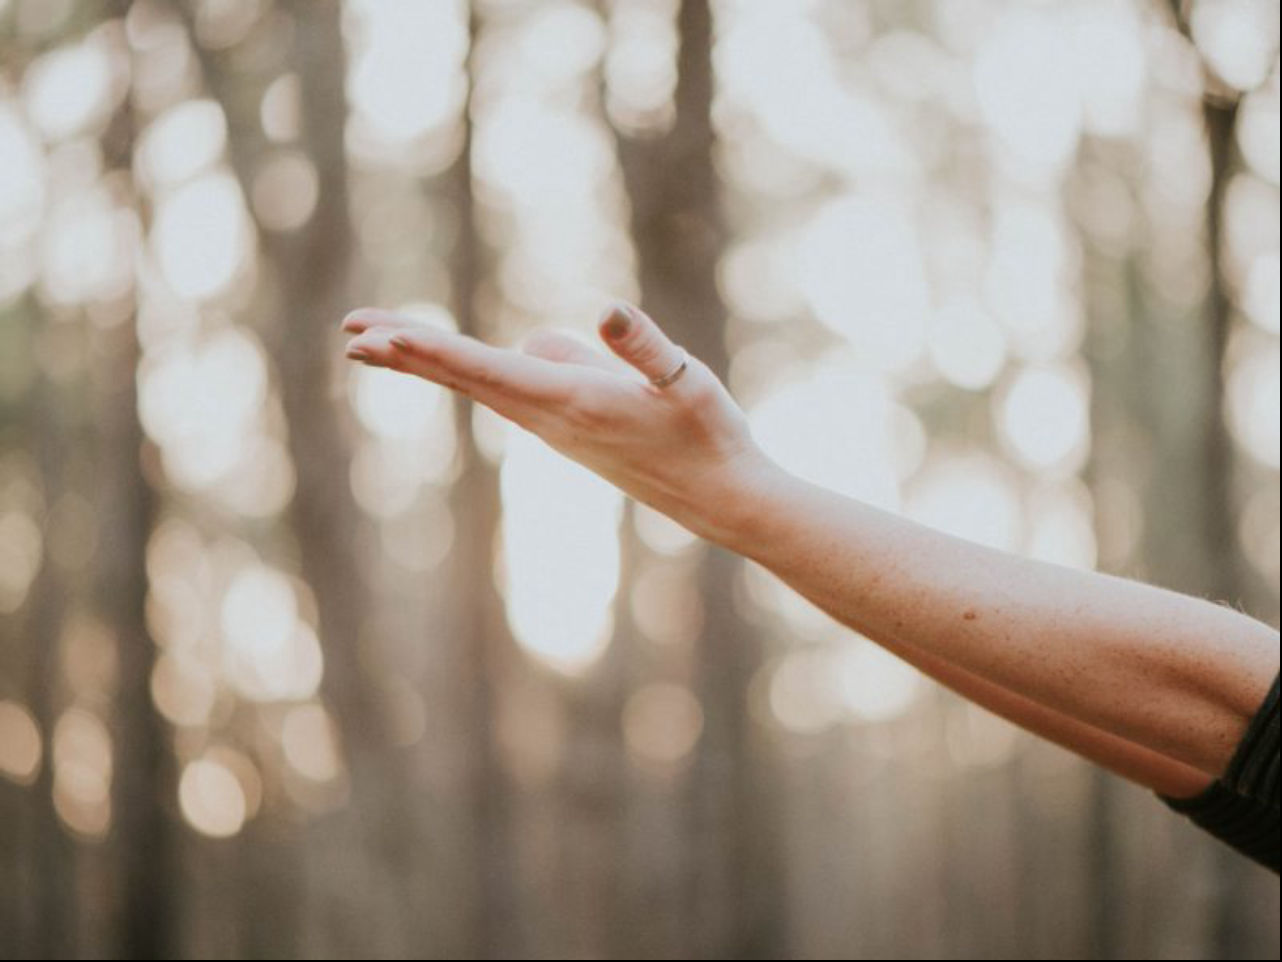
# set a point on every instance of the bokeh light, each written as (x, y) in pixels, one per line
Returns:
(959, 267)
(1044, 418)
(560, 553)
(21, 749)
(270, 653)
(82, 769)
(201, 236)
(21, 550)
(211, 798)
(874, 685)
(661, 723)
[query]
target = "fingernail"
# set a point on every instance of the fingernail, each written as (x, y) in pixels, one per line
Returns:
(396, 340)
(620, 321)
(356, 354)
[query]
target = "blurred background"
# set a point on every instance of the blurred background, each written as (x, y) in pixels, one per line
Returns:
(304, 659)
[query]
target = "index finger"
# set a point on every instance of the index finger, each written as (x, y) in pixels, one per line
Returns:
(484, 371)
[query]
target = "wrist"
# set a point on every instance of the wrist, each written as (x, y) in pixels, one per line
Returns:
(737, 507)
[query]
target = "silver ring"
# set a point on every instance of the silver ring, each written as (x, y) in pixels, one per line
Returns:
(675, 373)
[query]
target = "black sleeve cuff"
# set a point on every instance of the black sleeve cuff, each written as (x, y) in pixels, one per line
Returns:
(1253, 769)
(1241, 807)
(1241, 822)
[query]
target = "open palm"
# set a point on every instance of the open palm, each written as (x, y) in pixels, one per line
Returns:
(681, 448)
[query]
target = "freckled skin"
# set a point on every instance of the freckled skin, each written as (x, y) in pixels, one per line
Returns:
(1154, 685)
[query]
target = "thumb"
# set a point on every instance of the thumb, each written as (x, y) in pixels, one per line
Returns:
(637, 339)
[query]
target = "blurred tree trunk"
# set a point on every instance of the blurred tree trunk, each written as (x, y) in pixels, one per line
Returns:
(731, 889)
(1163, 470)
(311, 267)
(1227, 581)
(479, 649)
(144, 782)
(366, 866)
(46, 886)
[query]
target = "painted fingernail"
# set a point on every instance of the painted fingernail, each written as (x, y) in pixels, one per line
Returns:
(620, 321)
(396, 340)
(356, 354)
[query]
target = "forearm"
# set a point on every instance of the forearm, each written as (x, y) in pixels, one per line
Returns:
(1151, 769)
(1173, 674)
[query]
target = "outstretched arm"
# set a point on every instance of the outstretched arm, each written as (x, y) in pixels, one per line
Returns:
(1155, 685)
(1172, 674)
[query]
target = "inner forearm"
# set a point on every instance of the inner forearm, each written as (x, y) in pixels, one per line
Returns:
(1173, 674)
(1123, 757)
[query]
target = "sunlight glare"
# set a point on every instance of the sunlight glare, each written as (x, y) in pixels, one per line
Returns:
(395, 406)
(1238, 38)
(782, 68)
(662, 722)
(271, 653)
(1253, 405)
(183, 688)
(1027, 91)
(182, 142)
(507, 152)
(805, 697)
(758, 280)
(286, 188)
(1025, 282)
(211, 798)
(406, 73)
(966, 344)
(640, 66)
(859, 265)
(559, 42)
(1061, 526)
(311, 743)
(1262, 299)
(201, 402)
(20, 746)
(1257, 131)
(259, 610)
(387, 476)
(875, 686)
(659, 532)
(830, 424)
(971, 495)
(281, 110)
(202, 236)
(1044, 417)
(977, 738)
(22, 177)
(69, 88)
(665, 603)
(88, 249)
(260, 484)
(561, 553)
(21, 551)
(82, 763)
(1110, 65)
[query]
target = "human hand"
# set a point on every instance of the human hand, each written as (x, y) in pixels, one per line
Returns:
(684, 449)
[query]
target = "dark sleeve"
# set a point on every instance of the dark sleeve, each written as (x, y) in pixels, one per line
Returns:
(1241, 807)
